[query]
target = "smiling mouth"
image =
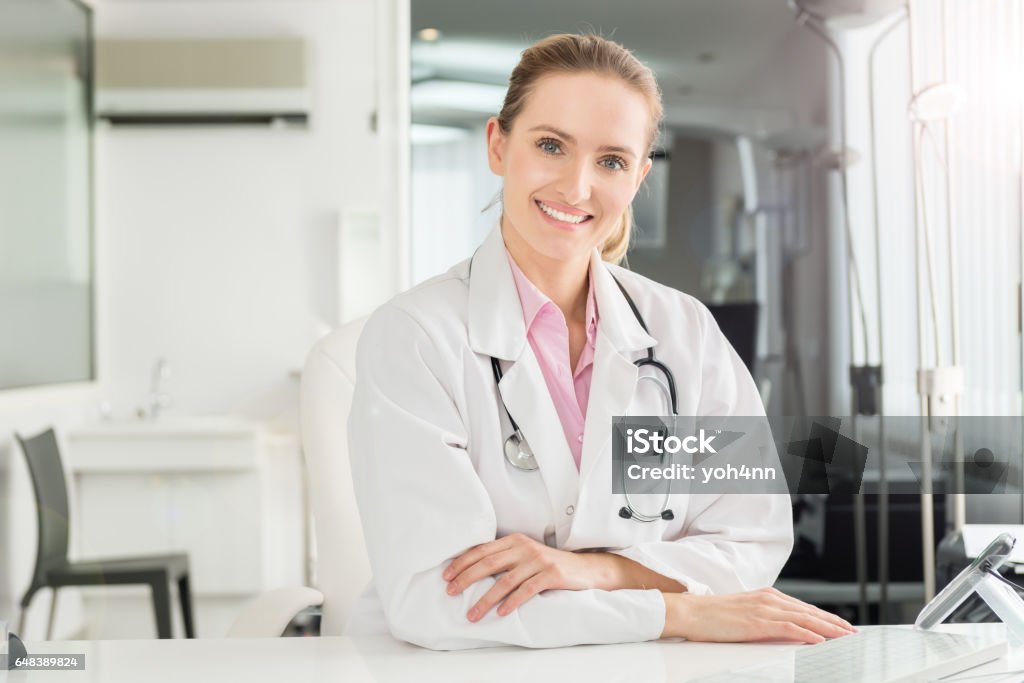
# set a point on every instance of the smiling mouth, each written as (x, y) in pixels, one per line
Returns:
(568, 218)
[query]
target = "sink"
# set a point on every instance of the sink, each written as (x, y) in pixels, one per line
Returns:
(168, 444)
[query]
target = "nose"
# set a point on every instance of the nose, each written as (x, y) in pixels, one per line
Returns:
(576, 183)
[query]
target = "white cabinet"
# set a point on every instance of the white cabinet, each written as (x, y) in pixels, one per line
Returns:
(226, 492)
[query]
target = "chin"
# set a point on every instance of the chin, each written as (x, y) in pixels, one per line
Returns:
(562, 248)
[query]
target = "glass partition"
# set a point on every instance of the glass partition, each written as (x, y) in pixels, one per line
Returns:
(46, 244)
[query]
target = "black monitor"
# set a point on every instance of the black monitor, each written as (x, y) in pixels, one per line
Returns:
(739, 324)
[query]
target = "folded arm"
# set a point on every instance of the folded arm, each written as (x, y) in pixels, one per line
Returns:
(422, 504)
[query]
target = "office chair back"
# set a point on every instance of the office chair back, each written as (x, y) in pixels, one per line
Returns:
(47, 472)
(328, 382)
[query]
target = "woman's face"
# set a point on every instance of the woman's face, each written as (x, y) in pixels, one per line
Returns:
(572, 162)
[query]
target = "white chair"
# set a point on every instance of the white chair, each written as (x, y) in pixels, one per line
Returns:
(328, 381)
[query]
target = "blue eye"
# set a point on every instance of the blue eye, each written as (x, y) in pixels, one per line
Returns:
(549, 146)
(619, 164)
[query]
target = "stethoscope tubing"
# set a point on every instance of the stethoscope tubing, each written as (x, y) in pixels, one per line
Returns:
(516, 440)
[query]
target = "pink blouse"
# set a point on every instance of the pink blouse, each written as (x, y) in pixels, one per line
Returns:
(549, 338)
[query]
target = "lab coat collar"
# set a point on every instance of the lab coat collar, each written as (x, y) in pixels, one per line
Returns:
(496, 326)
(616, 320)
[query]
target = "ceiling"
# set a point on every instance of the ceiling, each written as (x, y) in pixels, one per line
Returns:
(694, 46)
(706, 53)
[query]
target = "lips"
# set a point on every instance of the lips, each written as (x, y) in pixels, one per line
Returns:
(566, 216)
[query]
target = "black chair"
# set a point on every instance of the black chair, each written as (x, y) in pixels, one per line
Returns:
(53, 568)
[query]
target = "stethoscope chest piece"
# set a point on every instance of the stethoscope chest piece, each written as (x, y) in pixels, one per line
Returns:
(518, 453)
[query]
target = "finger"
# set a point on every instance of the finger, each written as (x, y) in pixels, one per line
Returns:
(487, 566)
(806, 621)
(505, 584)
(471, 557)
(811, 609)
(828, 616)
(812, 623)
(526, 590)
(791, 631)
(478, 552)
(833, 619)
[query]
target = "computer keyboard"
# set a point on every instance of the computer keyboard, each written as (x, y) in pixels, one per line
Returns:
(877, 654)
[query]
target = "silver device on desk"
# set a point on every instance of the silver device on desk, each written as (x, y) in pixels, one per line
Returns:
(1000, 594)
(966, 582)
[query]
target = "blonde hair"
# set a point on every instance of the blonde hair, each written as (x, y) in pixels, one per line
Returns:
(570, 53)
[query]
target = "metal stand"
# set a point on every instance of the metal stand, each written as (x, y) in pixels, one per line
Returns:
(939, 386)
(866, 385)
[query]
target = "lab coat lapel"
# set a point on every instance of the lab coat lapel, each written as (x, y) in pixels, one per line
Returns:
(620, 339)
(613, 383)
(496, 328)
(528, 400)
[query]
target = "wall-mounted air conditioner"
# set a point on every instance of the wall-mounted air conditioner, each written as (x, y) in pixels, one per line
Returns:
(221, 81)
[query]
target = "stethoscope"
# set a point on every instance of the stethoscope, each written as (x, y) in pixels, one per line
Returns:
(518, 453)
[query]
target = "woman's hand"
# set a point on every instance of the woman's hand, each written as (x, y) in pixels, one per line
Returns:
(765, 614)
(529, 567)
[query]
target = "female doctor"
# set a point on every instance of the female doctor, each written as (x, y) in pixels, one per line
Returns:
(481, 421)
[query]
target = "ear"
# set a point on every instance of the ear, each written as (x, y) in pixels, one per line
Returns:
(643, 172)
(495, 147)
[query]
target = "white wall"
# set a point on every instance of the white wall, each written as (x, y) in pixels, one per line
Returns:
(217, 248)
(220, 243)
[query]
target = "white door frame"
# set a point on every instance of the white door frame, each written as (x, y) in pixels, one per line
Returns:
(393, 125)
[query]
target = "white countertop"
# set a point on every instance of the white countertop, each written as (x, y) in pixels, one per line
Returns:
(383, 659)
(174, 426)
(175, 444)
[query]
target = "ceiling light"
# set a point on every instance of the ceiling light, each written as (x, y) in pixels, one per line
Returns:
(429, 35)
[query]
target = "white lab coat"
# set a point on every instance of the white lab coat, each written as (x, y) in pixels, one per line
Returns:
(426, 436)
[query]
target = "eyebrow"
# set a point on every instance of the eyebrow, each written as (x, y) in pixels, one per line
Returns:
(571, 140)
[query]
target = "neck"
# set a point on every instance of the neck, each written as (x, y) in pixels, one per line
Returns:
(564, 282)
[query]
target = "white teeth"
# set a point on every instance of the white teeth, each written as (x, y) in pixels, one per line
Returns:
(564, 217)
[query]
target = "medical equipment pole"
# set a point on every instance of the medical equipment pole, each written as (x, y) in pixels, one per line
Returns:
(939, 386)
(883, 482)
(959, 499)
(927, 532)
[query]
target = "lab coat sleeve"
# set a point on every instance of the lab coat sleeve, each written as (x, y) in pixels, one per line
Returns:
(729, 543)
(422, 504)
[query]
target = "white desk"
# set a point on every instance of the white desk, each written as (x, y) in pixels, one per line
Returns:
(359, 660)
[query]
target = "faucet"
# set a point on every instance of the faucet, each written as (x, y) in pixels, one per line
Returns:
(158, 400)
